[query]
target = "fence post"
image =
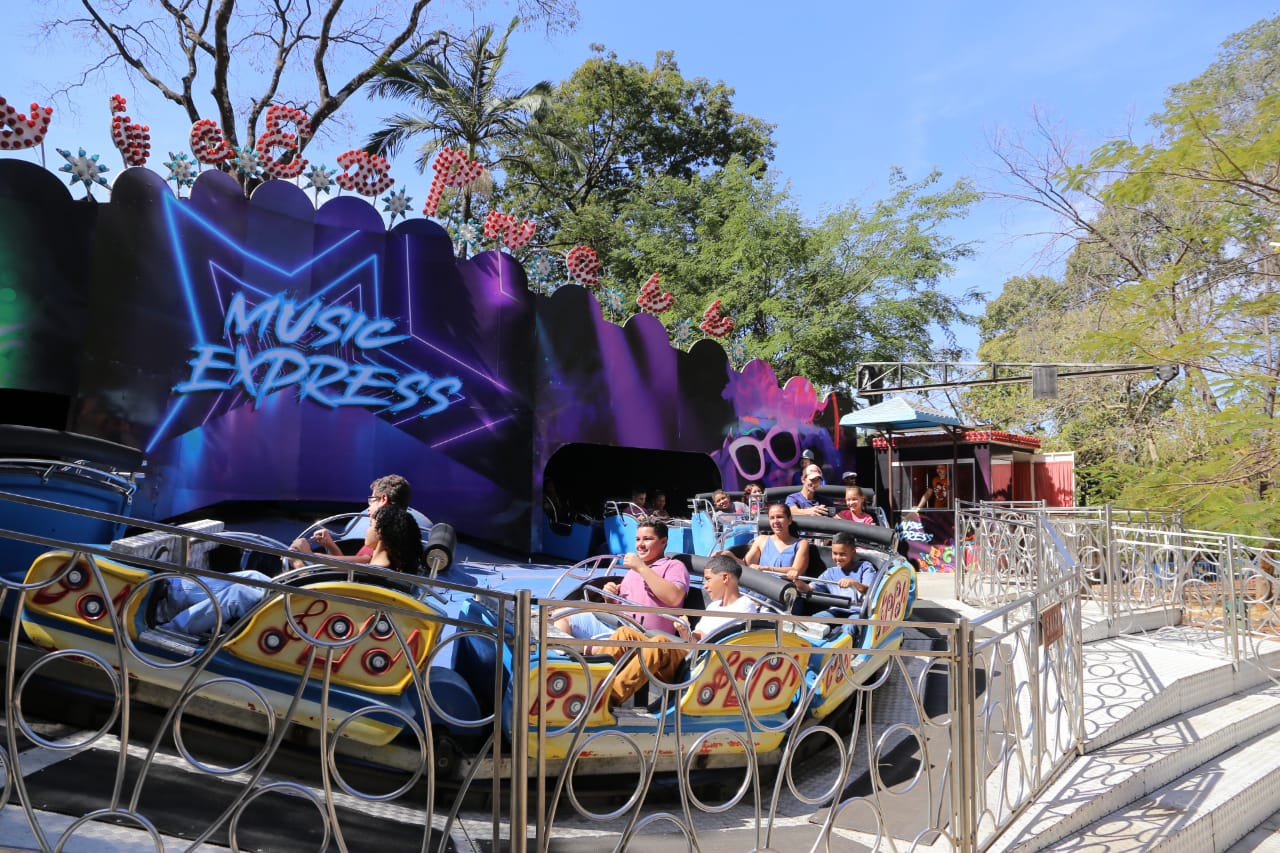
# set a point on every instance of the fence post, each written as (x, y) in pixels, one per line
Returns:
(965, 772)
(1110, 568)
(957, 540)
(520, 645)
(1234, 603)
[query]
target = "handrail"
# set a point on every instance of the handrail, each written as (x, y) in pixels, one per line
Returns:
(994, 666)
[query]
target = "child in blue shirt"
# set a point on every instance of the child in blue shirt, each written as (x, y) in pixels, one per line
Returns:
(848, 577)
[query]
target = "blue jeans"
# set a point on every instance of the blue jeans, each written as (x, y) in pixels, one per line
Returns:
(586, 625)
(834, 631)
(196, 614)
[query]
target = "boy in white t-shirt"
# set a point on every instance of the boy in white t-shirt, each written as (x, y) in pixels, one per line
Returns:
(720, 590)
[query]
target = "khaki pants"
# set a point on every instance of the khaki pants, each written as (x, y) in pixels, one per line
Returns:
(663, 663)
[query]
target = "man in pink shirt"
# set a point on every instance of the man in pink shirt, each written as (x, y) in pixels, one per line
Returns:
(652, 580)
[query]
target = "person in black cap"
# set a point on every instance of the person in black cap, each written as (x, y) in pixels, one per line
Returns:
(807, 458)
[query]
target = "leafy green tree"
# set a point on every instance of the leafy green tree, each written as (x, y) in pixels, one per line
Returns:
(814, 299)
(1171, 264)
(875, 289)
(458, 89)
(624, 125)
(672, 179)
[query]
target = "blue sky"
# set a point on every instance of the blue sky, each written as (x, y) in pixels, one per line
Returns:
(852, 87)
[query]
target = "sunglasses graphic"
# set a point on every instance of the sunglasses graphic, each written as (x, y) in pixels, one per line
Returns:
(750, 455)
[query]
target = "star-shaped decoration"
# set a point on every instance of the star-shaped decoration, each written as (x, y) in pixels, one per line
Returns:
(182, 171)
(543, 271)
(84, 168)
(320, 179)
(397, 203)
(466, 236)
(247, 162)
(614, 299)
(342, 273)
(682, 333)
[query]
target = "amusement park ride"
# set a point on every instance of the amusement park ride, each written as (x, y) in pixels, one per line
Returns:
(200, 354)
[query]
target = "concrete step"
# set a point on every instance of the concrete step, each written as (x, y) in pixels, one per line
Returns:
(1208, 809)
(1129, 771)
(1136, 682)
(1265, 838)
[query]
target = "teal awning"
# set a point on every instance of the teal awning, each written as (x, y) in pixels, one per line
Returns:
(898, 415)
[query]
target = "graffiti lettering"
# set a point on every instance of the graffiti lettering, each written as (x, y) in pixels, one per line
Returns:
(939, 558)
(324, 378)
(913, 531)
(339, 323)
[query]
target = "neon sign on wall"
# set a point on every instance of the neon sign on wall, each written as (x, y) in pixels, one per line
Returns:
(300, 330)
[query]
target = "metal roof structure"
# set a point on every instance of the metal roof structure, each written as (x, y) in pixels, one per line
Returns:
(899, 415)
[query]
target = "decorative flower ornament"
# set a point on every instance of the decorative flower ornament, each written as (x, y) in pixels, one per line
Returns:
(397, 203)
(544, 269)
(453, 169)
(652, 299)
(715, 322)
(682, 333)
(466, 236)
(131, 139)
(613, 299)
(320, 179)
(247, 162)
(23, 130)
(737, 352)
(84, 168)
(584, 265)
(182, 171)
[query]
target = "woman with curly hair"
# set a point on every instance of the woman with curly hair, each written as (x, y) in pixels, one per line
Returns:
(395, 539)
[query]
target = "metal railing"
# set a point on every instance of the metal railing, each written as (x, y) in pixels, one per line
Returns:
(1141, 570)
(144, 701)
(1029, 724)
(949, 735)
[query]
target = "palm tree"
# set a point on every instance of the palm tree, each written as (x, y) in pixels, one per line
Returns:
(462, 105)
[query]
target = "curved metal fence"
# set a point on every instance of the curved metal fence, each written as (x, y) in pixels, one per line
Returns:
(944, 737)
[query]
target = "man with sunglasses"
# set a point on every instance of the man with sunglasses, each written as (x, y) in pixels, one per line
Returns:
(805, 501)
(392, 490)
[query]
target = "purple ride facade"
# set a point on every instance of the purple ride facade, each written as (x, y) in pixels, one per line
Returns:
(263, 349)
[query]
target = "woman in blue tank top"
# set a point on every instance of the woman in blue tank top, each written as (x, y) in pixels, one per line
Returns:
(782, 551)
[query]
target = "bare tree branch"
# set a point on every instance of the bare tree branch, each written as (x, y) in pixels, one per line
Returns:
(247, 54)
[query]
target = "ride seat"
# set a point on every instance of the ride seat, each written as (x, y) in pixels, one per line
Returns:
(695, 656)
(882, 562)
(819, 560)
(407, 587)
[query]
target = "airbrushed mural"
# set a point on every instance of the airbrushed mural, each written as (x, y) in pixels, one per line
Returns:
(265, 349)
